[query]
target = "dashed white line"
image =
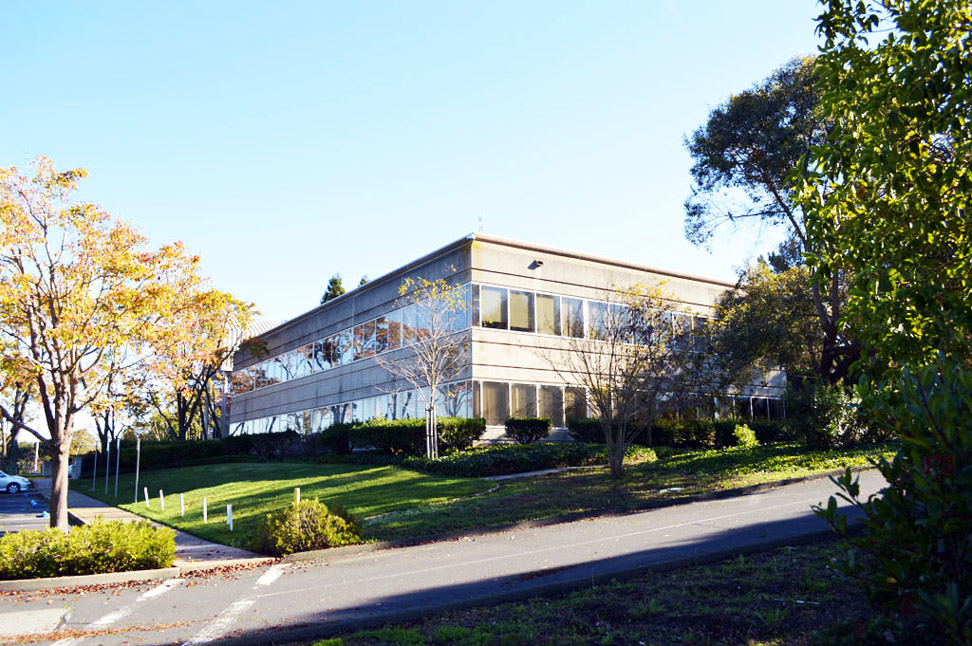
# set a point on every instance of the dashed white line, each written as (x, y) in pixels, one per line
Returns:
(228, 617)
(122, 612)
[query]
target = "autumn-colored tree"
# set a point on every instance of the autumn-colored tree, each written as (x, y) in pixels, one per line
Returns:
(82, 300)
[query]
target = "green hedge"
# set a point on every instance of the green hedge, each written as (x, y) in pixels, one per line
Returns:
(100, 547)
(694, 433)
(407, 436)
(515, 458)
(307, 525)
(527, 430)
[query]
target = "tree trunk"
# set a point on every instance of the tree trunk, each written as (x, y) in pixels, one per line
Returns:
(60, 460)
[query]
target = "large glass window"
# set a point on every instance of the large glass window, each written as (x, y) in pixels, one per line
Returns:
(381, 335)
(408, 325)
(681, 331)
(521, 312)
(495, 402)
(323, 354)
(575, 402)
(343, 340)
(599, 319)
(394, 329)
(423, 320)
(358, 340)
(548, 314)
(368, 345)
(551, 404)
(572, 310)
(492, 307)
(305, 364)
(524, 400)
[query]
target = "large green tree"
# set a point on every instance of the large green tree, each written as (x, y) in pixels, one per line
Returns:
(744, 159)
(887, 204)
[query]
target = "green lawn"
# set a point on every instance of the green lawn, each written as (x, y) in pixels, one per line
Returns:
(257, 488)
(792, 595)
(680, 474)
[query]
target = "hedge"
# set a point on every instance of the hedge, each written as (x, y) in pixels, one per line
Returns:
(515, 458)
(527, 430)
(103, 546)
(407, 436)
(695, 433)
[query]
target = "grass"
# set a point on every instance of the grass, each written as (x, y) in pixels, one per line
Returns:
(786, 596)
(257, 488)
(679, 474)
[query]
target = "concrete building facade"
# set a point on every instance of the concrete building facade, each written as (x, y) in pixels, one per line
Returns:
(523, 302)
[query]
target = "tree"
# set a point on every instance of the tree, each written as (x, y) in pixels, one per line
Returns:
(16, 396)
(363, 281)
(887, 203)
(334, 289)
(631, 364)
(435, 343)
(82, 300)
(744, 158)
(767, 321)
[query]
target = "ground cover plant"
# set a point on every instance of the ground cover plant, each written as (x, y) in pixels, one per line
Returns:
(90, 549)
(256, 489)
(792, 595)
(674, 474)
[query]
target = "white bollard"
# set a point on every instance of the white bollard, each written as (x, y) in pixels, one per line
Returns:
(229, 516)
(161, 500)
(296, 495)
(147, 505)
(182, 505)
(205, 518)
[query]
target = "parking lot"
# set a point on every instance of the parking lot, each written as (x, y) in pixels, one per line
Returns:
(22, 511)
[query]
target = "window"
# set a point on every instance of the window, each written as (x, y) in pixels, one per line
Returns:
(492, 307)
(599, 319)
(551, 404)
(408, 325)
(358, 343)
(345, 346)
(453, 399)
(394, 329)
(381, 335)
(575, 402)
(572, 310)
(548, 314)
(521, 311)
(495, 402)
(524, 400)
(368, 345)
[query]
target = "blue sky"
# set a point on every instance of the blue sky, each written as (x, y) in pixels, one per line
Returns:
(284, 142)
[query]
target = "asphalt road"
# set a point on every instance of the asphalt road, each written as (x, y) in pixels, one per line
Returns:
(288, 601)
(17, 513)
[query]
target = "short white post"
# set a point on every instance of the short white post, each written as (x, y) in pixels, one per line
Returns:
(229, 516)
(145, 490)
(296, 495)
(182, 505)
(161, 500)
(205, 517)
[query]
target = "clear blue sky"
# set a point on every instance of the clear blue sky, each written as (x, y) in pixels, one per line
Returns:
(284, 142)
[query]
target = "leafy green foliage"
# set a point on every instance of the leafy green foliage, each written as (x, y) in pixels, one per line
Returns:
(407, 436)
(745, 437)
(691, 432)
(919, 530)
(100, 547)
(307, 525)
(831, 417)
(527, 430)
(507, 459)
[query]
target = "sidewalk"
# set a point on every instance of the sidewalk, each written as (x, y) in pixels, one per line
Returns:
(192, 552)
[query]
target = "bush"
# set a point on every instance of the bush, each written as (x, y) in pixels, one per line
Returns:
(825, 417)
(516, 458)
(333, 439)
(100, 547)
(745, 437)
(586, 430)
(458, 433)
(307, 525)
(527, 430)
(917, 529)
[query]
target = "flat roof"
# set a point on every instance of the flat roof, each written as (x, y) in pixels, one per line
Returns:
(507, 242)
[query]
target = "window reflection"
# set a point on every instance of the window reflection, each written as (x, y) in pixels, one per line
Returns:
(575, 403)
(381, 335)
(573, 317)
(521, 311)
(492, 307)
(395, 330)
(548, 314)
(524, 398)
(551, 404)
(495, 402)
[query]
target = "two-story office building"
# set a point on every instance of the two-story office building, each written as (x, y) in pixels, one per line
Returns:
(523, 301)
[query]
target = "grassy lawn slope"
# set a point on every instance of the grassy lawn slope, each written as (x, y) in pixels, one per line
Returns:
(257, 488)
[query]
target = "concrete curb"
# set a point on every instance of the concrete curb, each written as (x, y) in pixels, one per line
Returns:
(54, 583)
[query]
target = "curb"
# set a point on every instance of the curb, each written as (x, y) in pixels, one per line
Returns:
(54, 583)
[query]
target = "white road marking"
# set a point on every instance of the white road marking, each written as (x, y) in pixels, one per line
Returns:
(228, 617)
(543, 550)
(122, 612)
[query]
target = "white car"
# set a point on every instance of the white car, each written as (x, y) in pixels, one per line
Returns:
(13, 484)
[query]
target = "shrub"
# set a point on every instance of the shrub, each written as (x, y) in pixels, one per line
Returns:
(100, 547)
(917, 529)
(527, 430)
(586, 430)
(745, 437)
(825, 417)
(307, 525)
(457, 433)
(333, 439)
(395, 437)
(517, 458)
